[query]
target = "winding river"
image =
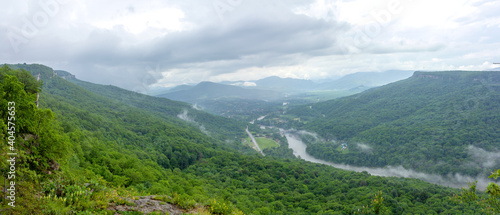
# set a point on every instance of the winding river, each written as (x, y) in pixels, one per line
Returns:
(456, 181)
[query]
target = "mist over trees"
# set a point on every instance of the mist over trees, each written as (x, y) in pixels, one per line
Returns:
(434, 122)
(90, 151)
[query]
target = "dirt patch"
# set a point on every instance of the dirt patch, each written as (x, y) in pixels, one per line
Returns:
(146, 204)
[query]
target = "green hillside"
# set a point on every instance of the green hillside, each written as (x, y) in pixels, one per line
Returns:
(218, 127)
(435, 122)
(88, 153)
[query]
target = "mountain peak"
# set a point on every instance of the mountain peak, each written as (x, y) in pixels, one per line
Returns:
(207, 83)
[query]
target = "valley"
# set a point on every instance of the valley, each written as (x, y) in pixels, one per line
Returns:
(293, 113)
(232, 107)
(314, 118)
(113, 145)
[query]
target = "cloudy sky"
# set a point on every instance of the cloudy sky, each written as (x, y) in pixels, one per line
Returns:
(140, 45)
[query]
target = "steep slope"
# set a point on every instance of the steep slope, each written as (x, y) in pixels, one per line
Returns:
(218, 127)
(113, 147)
(119, 122)
(75, 162)
(439, 122)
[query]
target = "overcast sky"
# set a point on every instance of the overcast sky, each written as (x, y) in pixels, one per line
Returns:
(138, 45)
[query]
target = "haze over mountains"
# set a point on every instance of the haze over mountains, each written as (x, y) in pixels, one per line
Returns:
(291, 85)
(212, 91)
(276, 89)
(231, 107)
(154, 145)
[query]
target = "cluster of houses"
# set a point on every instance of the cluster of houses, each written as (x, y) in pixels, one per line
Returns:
(343, 146)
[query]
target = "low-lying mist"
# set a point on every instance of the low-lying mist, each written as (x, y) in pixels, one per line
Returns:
(184, 116)
(482, 158)
(450, 180)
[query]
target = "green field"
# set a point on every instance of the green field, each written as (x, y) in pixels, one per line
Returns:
(265, 143)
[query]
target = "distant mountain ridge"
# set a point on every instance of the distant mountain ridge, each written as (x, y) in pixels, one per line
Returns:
(350, 81)
(292, 85)
(214, 91)
(284, 84)
(365, 79)
(242, 98)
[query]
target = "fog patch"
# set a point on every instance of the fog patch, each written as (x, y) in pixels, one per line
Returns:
(456, 180)
(364, 147)
(245, 84)
(303, 133)
(196, 107)
(204, 130)
(483, 158)
(184, 116)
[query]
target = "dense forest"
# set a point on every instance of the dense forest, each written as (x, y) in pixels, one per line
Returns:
(81, 151)
(434, 122)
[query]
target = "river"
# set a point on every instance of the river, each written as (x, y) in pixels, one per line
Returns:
(456, 181)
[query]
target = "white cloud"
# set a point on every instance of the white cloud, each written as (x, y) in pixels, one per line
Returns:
(245, 84)
(320, 9)
(137, 22)
(364, 147)
(184, 116)
(188, 42)
(483, 158)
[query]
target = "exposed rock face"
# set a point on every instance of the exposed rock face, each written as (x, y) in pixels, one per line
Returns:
(146, 204)
(65, 75)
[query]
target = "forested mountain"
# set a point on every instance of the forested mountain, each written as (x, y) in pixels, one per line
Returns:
(247, 100)
(228, 100)
(205, 91)
(437, 122)
(347, 82)
(89, 152)
(180, 87)
(215, 126)
(365, 80)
